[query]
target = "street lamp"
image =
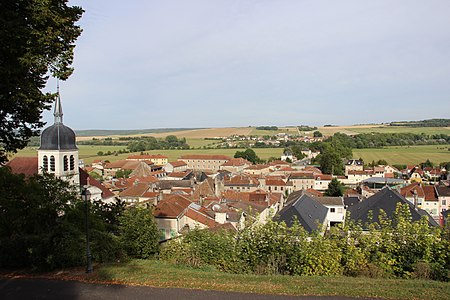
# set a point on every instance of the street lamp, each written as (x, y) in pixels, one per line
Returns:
(86, 196)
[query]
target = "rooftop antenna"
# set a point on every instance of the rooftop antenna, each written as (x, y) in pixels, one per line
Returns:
(58, 113)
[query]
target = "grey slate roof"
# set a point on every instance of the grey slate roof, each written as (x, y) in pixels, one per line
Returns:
(308, 211)
(351, 200)
(168, 184)
(387, 200)
(58, 137)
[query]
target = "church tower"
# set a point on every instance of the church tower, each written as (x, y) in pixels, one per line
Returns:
(58, 153)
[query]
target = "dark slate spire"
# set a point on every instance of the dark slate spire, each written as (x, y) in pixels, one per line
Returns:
(58, 108)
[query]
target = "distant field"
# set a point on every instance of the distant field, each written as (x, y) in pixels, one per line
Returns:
(352, 130)
(405, 155)
(290, 130)
(89, 153)
(188, 133)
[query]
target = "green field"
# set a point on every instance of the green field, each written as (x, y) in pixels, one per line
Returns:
(89, 153)
(405, 155)
(403, 129)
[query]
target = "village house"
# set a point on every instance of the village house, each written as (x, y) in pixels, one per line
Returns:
(175, 166)
(302, 180)
(277, 184)
(235, 165)
(169, 216)
(258, 170)
(336, 209)
(321, 181)
(353, 165)
(139, 193)
(241, 182)
(157, 159)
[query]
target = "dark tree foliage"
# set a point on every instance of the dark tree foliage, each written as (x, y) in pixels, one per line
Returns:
(151, 143)
(379, 140)
(423, 123)
(248, 154)
(317, 134)
(37, 38)
(42, 224)
(296, 151)
(273, 128)
(335, 188)
(427, 164)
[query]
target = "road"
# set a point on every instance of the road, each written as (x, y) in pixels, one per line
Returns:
(12, 289)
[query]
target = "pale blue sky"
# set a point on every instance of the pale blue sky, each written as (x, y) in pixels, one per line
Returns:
(153, 64)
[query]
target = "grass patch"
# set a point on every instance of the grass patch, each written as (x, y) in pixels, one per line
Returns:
(164, 274)
(405, 154)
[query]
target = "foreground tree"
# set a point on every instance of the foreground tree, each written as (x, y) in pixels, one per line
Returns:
(138, 232)
(37, 38)
(42, 224)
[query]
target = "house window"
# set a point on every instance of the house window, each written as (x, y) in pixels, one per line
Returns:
(444, 202)
(45, 163)
(332, 209)
(52, 163)
(162, 234)
(65, 163)
(72, 163)
(173, 233)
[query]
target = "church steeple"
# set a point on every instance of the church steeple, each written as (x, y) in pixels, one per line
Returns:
(58, 113)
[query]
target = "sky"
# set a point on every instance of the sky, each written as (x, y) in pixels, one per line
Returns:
(229, 63)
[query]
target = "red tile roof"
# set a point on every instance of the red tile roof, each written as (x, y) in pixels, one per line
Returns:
(147, 156)
(136, 190)
(205, 157)
(172, 206)
(241, 180)
(315, 192)
(323, 177)
(275, 181)
(257, 167)
(236, 162)
(302, 175)
(430, 193)
(123, 164)
(200, 217)
(106, 193)
(23, 165)
(178, 163)
(408, 191)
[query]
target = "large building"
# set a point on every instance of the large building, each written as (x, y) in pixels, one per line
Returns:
(204, 162)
